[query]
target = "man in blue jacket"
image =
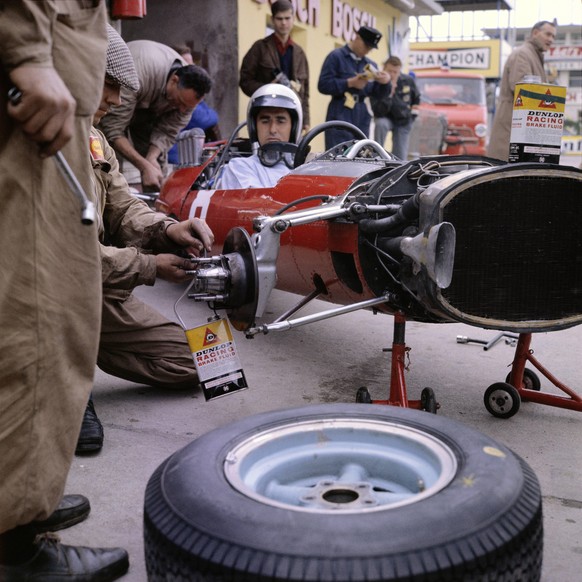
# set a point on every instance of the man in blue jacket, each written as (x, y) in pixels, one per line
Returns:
(349, 76)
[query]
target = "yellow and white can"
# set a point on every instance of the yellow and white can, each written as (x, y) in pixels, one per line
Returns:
(537, 122)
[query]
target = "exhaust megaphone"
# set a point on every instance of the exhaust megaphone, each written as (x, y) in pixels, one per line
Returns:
(435, 252)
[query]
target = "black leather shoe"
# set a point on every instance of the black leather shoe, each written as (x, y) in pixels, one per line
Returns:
(54, 562)
(91, 436)
(71, 510)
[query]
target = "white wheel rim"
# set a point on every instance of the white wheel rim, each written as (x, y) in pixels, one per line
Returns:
(340, 465)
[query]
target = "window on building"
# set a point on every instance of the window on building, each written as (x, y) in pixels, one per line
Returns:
(575, 80)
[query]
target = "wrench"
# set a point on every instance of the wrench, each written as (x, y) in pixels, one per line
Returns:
(87, 207)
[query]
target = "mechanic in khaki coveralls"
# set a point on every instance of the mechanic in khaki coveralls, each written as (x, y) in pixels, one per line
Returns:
(137, 246)
(50, 287)
(146, 123)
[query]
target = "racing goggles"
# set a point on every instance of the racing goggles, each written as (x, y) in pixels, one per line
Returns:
(272, 153)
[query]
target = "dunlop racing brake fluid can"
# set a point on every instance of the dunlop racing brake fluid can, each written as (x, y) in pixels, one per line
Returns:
(537, 122)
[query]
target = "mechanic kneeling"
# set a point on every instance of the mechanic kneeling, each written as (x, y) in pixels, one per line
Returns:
(137, 246)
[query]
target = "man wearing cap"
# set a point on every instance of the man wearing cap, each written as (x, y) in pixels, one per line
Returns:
(349, 76)
(144, 126)
(137, 246)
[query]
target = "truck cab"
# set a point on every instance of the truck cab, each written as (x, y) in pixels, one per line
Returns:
(460, 97)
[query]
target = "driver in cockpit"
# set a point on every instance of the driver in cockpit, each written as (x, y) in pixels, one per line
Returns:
(274, 121)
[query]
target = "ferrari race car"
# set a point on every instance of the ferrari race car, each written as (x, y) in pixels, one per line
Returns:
(437, 239)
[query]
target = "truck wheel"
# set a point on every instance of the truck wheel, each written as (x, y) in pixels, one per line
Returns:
(343, 492)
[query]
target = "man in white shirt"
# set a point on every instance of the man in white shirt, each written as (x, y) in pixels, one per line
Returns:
(274, 120)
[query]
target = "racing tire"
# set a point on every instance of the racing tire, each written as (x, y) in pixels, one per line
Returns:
(343, 492)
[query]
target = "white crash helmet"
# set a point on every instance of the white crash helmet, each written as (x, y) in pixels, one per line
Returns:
(275, 95)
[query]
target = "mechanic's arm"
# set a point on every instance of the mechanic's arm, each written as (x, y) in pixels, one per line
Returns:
(115, 127)
(192, 234)
(149, 168)
(46, 110)
(173, 268)
(129, 268)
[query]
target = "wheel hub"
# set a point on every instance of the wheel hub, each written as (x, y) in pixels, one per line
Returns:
(501, 401)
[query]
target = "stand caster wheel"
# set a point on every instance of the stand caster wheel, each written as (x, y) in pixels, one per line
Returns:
(502, 400)
(428, 401)
(530, 381)
(363, 396)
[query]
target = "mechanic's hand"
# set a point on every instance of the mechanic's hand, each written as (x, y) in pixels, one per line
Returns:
(192, 234)
(46, 109)
(173, 268)
(151, 177)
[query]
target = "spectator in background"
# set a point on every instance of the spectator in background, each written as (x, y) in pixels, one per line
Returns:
(349, 76)
(278, 59)
(50, 289)
(144, 127)
(274, 122)
(528, 59)
(203, 115)
(397, 110)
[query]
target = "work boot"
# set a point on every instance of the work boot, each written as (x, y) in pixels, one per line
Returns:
(91, 436)
(72, 509)
(55, 562)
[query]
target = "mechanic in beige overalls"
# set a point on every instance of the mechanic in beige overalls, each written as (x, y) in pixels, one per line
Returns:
(50, 285)
(137, 246)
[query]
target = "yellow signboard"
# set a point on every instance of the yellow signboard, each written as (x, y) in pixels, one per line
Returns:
(482, 57)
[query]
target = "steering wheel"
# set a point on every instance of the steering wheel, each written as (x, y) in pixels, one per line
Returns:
(302, 148)
(373, 146)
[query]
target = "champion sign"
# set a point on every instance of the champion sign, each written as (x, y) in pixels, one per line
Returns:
(469, 58)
